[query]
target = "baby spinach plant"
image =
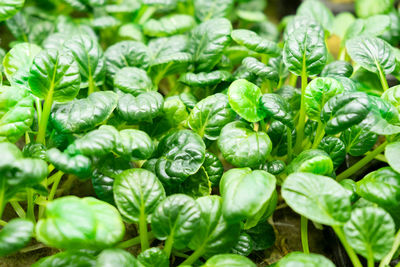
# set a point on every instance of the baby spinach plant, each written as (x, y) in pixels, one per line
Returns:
(173, 133)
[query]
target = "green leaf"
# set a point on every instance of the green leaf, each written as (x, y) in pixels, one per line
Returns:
(15, 235)
(244, 99)
(16, 112)
(277, 108)
(313, 161)
(259, 69)
(358, 138)
(213, 167)
(205, 78)
(318, 198)
(216, 234)
(176, 218)
(237, 142)
(335, 148)
(318, 12)
(10, 8)
(251, 16)
(370, 231)
(338, 68)
(135, 145)
(341, 23)
(75, 164)
(54, 75)
(254, 42)
(304, 48)
(80, 223)
(144, 107)
(392, 154)
(262, 235)
(180, 154)
(291, 95)
(208, 42)
(133, 80)
(196, 185)
(137, 192)
(386, 117)
(344, 110)
(372, 26)
(366, 8)
(382, 187)
(17, 63)
(168, 25)
(83, 114)
(153, 257)
(244, 246)
(317, 93)
(98, 142)
(392, 96)
(211, 9)
(303, 259)
(228, 260)
(237, 203)
(116, 257)
(210, 115)
(34, 150)
(372, 53)
(125, 54)
(90, 58)
(66, 259)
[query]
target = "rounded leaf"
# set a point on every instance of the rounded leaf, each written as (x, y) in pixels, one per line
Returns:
(153, 257)
(254, 42)
(10, 8)
(314, 161)
(229, 260)
(79, 165)
(168, 25)
(15, 235)
(116, 257)
(132, 80)
(303, 259)
(317, 197)
(144, 107)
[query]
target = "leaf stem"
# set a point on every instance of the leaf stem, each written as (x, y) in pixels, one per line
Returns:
(396, 244)
(319, 134)
(194, 256)
(45, 118)
(289, 144)
(3, 223)
(2, 195)
(144, 241)
(18, 209)
(350, 252)
(92, 86)
(304, 234)
(293, 80)
(361, 163)
(133, 241)
(168, 245)
(38, 109)
(370, 258)
(30, 205)
(382, 78)
(57, 179)
(302, 116)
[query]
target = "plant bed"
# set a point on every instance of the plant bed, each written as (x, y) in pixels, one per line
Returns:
(198, 133)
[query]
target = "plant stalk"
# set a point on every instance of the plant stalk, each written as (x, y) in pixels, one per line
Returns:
(382, 78)
(18, 209)
(319, 134)
(168, 246)
(133, 241)
(194, 256)
(144, 241)
(293, 80)
(350, 252)
(57, 179)
(396, 244)
(289, 144)
(2, 196)
(30, 205)
(48, 103)
(361, 163)
(302, 116)
(304, 234)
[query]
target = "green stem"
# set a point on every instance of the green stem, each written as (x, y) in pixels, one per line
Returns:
(396, 244)
(350, 252)
(133, 241)
(3, 223)
(144, 241)
(263, 126)
(45, 118)
(370, 258)
(302, 116)
(293, 80)
(194, 256)
(92, 86)
(304, 234)
(264, 59)
(382, 78)
(144, 14)
(57, 179)
(18, 209)
(168, 245)
(361, 163)
(289, 144)
(319, 134)
(2, 196)
(30, 205)
(38, 104)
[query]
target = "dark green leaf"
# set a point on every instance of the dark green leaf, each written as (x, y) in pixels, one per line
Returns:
(67, 259)
(75, 164)
(153, 257)
(15, 235)
(303, 259)
(312, 160)
(10, 8)
(133, 80)
(277, 108)
(228, 260)
(254, 42)
(168, 25)
(335, 148)
(318, 12)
